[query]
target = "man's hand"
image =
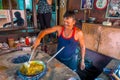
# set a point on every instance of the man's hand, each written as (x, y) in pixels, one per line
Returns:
(82, 65)
(36, 43)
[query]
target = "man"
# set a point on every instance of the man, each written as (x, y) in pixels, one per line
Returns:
(69, 36)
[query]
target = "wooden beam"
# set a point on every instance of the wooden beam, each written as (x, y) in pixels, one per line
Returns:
(25, 22)
(62, 10)
(10, 10)
(34, 14)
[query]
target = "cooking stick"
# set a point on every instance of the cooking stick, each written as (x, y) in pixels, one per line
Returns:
(31, 55)
(28, 63)
(55, 54)
(115, 76)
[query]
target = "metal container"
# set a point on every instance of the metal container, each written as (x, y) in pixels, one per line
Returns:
(35, 76)
(91, 19)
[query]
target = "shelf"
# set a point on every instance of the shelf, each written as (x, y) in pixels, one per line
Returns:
(12, 29)
(31, 29)
(17, 32)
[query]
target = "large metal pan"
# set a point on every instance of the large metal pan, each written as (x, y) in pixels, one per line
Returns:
(28, 75)
(34, 73)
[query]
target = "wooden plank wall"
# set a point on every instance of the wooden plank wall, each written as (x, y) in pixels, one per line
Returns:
(6, 4)
(102, 39)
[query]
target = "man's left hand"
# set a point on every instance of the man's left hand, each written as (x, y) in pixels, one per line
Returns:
(82, 65)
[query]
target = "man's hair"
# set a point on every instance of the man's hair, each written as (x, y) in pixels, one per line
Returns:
(69, 14)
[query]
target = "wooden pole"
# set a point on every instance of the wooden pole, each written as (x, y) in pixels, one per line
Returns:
(10, 10)
(34, 14)
(85, 11)
(63, 5)
(89, 11)
(25, 14)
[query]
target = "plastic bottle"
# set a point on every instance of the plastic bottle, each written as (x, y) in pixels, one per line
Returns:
(27, 42)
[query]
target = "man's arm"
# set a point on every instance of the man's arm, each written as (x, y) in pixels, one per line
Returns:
(82, 46)
(45, 32)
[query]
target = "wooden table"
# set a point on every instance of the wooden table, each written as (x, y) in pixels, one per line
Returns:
(112, 65)
(56, 70)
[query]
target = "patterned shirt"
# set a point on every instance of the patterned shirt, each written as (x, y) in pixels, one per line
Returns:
(44, 7)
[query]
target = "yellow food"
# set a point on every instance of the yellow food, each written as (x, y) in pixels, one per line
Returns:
(33, 69)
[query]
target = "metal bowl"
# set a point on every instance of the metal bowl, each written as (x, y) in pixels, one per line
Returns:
(35, 68)
(91, 19)
(32, 75)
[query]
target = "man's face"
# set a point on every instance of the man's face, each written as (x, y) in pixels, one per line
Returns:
(69, 21)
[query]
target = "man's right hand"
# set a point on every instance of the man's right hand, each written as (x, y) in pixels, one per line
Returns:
(36, 43)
